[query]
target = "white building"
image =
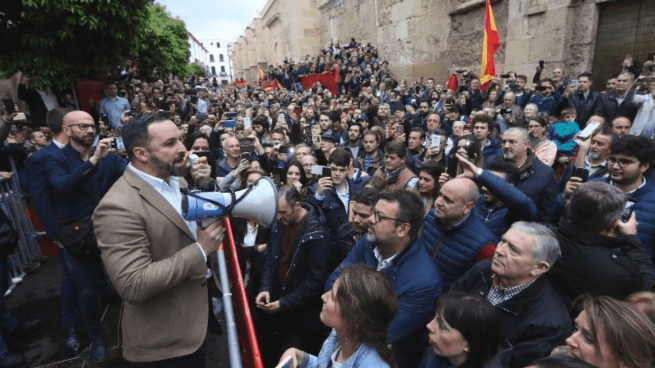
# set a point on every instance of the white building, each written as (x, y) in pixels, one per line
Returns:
(198, 54)
(219, 60)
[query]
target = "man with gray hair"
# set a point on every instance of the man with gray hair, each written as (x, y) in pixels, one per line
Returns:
(601, 254)
(537, 180)
(533, 318)
(384, 114)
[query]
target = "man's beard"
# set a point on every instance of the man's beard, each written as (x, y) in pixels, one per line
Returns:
(166, 170)
(594, 156)
(508, 155)
(370, 236)
(82, 141)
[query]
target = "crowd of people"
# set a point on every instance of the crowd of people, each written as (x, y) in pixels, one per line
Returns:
(421, 224)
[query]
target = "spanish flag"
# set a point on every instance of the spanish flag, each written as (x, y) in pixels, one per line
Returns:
(490, 44)
(262, 76)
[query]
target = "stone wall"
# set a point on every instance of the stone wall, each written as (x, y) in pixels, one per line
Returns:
(285, 29)
(435, 37)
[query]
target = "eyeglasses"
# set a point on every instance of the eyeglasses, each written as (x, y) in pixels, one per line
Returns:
(379, 217)
(623, 162)
(83, 126)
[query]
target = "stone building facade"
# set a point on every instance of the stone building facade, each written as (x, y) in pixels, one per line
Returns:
(434, 37)
(285, 29)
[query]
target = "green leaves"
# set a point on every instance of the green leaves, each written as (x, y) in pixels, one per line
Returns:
(63, 39)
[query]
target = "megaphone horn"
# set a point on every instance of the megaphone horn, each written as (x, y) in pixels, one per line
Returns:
(258, 202)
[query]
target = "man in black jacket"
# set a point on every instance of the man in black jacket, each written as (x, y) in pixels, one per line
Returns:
(533, 317)
(39, 100)
(296, 267)
(537, 180)
(582, 98)
(618, 102)
(601, 254)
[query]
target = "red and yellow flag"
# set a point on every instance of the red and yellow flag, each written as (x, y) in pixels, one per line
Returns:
(490, 44)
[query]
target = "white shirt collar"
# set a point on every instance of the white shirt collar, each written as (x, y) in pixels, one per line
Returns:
(383, 263)
(59, 145)
(157, 183)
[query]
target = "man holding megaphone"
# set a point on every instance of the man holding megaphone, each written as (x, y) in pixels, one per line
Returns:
(154, 258)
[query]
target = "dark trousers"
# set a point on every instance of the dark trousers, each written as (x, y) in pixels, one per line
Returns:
(193, 360)
(68, 295)
(90, 279)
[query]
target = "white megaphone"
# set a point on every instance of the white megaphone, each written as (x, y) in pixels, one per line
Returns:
(258, 202)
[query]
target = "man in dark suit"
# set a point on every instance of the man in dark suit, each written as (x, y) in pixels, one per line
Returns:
(154, 258)
(39, 100)
(36, 182)
(79, 175)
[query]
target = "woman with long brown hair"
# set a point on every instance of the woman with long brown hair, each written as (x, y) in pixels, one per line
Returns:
(359, 308)
(611, 334)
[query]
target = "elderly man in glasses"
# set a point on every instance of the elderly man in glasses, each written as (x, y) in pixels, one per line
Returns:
(391, 247)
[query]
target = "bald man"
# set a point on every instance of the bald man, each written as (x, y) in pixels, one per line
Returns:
(79, 175)
(455, 234)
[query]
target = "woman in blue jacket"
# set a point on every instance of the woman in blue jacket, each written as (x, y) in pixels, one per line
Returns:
(359, 308)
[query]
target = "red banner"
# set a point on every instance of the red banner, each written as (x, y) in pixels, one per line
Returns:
(241, 84)
(272, 84)
(326, 80)
(89, 89)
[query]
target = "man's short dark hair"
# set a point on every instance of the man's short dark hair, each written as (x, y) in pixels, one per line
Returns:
(279, 131)
(340, 157)
(408, 203)
(354, 123)
(135, 131)
(396, 147)
(366, 196)
(512, 173)
(334, 116)
(261, 120)
(420, 130)
(55, 118)
(484, 119)
(595, 205)
(639, 147)
(587, 75)
(546, 80)
(522, 76)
